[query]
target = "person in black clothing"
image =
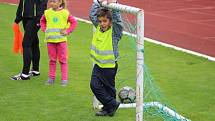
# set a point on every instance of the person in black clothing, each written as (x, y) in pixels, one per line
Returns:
(30, 12)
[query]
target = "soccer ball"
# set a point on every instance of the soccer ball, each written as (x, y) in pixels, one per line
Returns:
(127, 95)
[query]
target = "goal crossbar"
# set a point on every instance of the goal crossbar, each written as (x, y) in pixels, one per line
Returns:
(124, 8)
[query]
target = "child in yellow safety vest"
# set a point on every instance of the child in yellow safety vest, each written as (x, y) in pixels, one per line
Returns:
(57, 23)
(104, 53)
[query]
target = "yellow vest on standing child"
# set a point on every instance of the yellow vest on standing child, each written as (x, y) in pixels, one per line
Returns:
(56, 21)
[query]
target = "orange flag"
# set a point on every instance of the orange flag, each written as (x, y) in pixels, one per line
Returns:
(18, 37)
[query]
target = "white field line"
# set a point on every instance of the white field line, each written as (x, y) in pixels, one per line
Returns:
(163, 44)
(153, 41)
(181, 49)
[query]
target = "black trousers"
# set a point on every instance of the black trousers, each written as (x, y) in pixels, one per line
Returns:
(103, 86)
(30, 44)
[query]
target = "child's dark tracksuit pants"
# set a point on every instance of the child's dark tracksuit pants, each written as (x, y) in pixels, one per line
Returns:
(103, 86)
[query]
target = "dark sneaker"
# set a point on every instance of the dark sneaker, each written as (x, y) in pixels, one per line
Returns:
(50, 81)
(20, 77)
(64, 83)
(34, 73)
(102, 113)
(112, 111)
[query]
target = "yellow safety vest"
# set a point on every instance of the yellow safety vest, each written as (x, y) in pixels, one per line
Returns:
(56, 21)
(102, 49)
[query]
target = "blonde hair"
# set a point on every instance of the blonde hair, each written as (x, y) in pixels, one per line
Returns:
(63, 4)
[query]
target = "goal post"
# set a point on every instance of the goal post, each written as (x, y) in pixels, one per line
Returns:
(140, 63)
(139, 14)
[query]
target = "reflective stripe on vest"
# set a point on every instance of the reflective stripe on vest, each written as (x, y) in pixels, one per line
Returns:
(102, 52)
(56, 21)
(53, 30)
(102, 49)
(55, 37)
(102, 61)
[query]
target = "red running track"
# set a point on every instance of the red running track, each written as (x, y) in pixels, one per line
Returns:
(189, 24)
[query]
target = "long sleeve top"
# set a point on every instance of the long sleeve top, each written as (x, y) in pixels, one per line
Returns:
(30, 9)
(117, 25)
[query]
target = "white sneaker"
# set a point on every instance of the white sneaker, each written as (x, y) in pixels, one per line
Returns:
(34, 73)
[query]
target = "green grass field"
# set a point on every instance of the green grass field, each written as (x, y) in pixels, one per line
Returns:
(186, 81)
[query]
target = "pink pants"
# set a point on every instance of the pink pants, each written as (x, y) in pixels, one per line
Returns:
(58, 51)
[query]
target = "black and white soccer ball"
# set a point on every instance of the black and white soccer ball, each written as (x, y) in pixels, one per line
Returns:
(127, 95)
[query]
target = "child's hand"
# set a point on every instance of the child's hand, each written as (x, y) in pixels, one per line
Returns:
(63, 32)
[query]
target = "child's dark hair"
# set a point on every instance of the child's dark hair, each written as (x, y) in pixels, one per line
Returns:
(102, 12)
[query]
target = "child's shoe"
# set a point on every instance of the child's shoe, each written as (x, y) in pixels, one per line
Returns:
(64, 83)
(50, 81)
(20, 77)
(34, 73)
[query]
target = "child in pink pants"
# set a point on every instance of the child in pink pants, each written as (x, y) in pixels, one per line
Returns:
(55, 23)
